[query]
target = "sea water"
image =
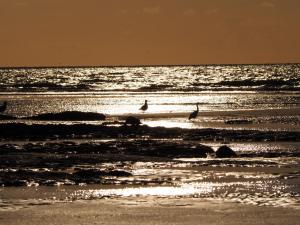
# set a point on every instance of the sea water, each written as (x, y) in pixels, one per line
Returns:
(268, 96)
(224, 92)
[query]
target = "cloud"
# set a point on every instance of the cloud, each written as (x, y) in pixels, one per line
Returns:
(152, 10)
(189, 12)
(267, 4)
(124, 11)
(211, 11)
(21, 3)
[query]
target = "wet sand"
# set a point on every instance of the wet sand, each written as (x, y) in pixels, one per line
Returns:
(158, 211)
(75, 174)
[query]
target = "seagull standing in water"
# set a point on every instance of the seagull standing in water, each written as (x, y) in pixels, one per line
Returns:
(194, 114)
(145, 106)
(3, 107)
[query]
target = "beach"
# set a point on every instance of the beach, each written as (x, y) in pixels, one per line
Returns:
(147, 175)
(150, 112)
(68, 155)
(150, 211)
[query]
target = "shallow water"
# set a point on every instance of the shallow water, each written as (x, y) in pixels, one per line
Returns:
(257, 181)
(251, 92)
(252, 180)
(269, 111)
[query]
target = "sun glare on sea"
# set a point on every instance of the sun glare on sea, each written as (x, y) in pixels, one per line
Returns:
(183, 190)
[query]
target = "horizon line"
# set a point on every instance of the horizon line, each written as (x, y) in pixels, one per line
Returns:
(145, 65)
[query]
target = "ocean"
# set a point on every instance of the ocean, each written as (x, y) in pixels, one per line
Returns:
(255, 91)
(253, 109)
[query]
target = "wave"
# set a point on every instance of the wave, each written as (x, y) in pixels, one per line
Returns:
(156, 87)
(267, 83)
(100, 85)
(218, 87)
(47, 86)
(150, 79)
(271, 84)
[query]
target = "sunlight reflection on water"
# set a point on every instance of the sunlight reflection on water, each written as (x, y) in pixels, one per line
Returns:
(184, 190)
(169, 109)
(255, 193)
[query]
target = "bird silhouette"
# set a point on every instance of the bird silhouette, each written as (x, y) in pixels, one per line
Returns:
(3, 107)
(145, 106)
(194, 114)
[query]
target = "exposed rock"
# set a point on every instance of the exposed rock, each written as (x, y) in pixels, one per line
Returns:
(51, 178)
(91, 173)
(7, 117)
(23, 131)
(132, 121)
(118, 173)
(225, 152)
(241, 121)
(69, 115)
(179, 151)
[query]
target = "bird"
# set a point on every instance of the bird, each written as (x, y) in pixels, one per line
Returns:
(3, 107)
(145, 106)
(194, 114)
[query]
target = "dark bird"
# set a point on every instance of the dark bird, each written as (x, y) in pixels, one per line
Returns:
(3, 106)
(145, 106)
(194, 114)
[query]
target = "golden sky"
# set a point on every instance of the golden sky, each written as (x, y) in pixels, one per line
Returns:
(135, 32)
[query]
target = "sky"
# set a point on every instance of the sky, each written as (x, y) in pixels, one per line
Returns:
(148, 32)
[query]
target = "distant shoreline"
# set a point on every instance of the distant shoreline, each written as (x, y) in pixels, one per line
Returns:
(132, 66)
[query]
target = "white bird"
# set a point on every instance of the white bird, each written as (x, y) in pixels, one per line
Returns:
(194, 114)
(3, 106)
(145, 106)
